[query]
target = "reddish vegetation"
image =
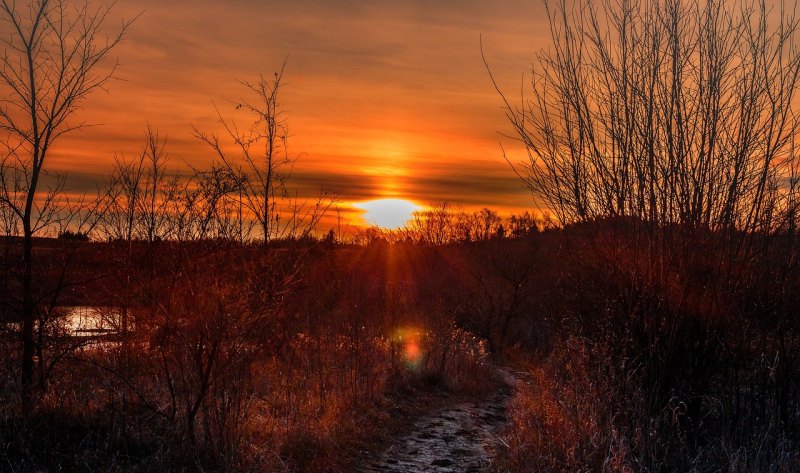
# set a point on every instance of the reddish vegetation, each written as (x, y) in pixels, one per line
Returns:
(301, 356)
(237, 357)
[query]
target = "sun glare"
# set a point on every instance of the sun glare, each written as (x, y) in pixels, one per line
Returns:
(409, 340)
(388, 213)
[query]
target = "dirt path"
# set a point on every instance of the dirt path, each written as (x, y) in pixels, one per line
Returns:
(460, 438)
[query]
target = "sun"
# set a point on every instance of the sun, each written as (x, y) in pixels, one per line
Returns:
(388, 213)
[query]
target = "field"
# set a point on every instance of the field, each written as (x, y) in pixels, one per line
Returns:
(302, 357)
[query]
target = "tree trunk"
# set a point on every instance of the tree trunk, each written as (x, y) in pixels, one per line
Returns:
(28, 320)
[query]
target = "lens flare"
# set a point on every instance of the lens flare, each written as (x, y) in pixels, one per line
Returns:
(412, 352)
(409, 340)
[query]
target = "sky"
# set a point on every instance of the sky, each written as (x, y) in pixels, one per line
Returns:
(384, 99)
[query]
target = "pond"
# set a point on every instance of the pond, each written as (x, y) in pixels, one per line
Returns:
(87, 321)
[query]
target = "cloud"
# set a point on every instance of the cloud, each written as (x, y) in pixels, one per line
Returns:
(383, 97)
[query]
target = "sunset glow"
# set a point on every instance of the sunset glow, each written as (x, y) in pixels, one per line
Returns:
(388, 213)
(382, 100)
(404, 236)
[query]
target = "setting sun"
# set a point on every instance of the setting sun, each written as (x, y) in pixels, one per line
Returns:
(402, 236)
(388, 213)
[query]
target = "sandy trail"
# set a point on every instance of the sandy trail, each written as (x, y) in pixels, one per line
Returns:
(459, 438)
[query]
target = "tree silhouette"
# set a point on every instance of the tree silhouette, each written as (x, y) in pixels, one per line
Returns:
(675, 111)
(51, 61)
(264, 162)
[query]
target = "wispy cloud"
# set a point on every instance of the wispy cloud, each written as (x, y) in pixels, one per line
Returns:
(382, 97)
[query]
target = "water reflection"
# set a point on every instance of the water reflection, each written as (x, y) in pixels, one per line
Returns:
(88, 321)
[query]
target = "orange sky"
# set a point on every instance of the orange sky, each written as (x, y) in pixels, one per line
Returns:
(384, 99)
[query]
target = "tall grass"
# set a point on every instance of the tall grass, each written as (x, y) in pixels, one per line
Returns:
(680, 359)
(237, 358)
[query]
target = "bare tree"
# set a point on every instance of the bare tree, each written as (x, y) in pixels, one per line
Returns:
(121, 194)
(215, 206)
(264, 157)
(668, 111)
(524, 224)
(672, 125)
(433, 226)
(155, 190)
(475, 226)
(138, 192)
(51, 61)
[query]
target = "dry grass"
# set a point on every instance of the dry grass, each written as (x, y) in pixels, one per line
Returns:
(244, 361)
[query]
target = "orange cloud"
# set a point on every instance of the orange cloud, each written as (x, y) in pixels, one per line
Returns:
(385, 99)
